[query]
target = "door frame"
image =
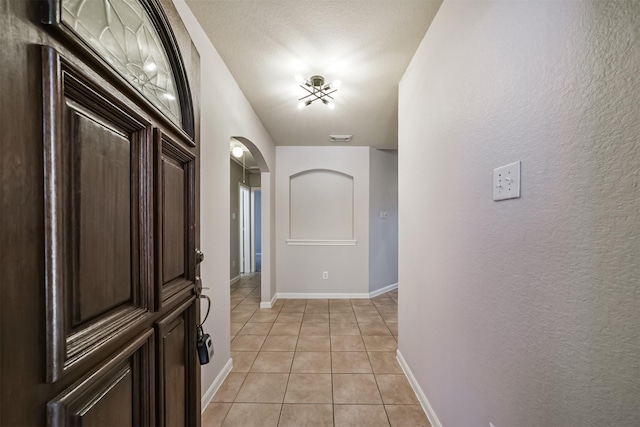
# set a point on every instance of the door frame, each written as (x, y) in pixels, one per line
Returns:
(254, 190)
(244, 222)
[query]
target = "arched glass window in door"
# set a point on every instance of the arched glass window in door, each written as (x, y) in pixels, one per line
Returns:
(122, 33)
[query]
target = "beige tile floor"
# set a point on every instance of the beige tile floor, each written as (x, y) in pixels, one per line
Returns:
(313, 363)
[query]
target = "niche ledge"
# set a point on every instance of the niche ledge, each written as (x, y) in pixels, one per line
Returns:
(317, 242)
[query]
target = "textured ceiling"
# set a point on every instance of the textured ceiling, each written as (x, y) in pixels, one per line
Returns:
(366, 44)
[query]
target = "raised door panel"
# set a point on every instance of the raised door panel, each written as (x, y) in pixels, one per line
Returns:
(114, 407)
(117, 393)
(99, 287)
(174, 374)
(178, 396)
(175, 218)
(101, 198)
(173, 224)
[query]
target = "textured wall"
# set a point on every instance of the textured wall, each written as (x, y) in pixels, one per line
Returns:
(383, 233)
(225, 113)
(299, 268)
(523, 312)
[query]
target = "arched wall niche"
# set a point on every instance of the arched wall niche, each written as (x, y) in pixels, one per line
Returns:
(321, 208)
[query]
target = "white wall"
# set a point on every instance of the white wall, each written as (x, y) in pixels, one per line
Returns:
(523, 312)
(225, 114)
(299, 268)
(383, 232)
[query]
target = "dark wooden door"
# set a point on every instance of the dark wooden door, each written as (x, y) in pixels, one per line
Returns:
(99, 234)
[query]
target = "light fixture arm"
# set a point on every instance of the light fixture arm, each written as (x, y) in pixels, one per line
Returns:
(314, 93)
(317, 90)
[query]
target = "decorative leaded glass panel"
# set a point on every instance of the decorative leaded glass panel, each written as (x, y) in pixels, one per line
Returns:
(122, 33)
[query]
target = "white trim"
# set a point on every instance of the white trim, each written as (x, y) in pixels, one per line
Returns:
(383, 290)
(215, 385)
(322, 296)
(234, 280)
(298, 295)
(424, 402)
(270, 303)
(304, 242)
(253, 226)
(244, 209)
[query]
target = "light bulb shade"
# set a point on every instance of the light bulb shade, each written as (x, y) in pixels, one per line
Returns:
(328, 103)
(237, 152)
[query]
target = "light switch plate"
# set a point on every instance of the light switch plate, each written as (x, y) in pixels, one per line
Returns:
(506, 182)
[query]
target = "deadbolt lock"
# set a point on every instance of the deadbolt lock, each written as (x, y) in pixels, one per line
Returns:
(199, 256)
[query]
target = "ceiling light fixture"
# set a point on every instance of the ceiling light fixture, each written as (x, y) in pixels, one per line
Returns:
(237, 152)
(317, 90)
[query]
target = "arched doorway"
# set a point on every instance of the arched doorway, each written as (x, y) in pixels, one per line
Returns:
(251, 231)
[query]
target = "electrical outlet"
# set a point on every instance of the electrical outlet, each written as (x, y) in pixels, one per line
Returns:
(506, 182)
(325, 275)
(384, 214)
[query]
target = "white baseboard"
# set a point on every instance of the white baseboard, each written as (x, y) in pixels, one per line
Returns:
(294, 295)
(211, 391)
(383, 290)
(270, 303)
(424, 402)
(363, 295)
(234, 280)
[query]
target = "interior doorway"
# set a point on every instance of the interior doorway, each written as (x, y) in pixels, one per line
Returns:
(249, 168)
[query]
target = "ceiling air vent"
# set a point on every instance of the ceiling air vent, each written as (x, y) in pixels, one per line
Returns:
(340, 138)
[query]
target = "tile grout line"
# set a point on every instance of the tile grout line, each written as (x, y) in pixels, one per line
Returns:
(333, 399)
(247, 374)
(375, 377)
(331, 349)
